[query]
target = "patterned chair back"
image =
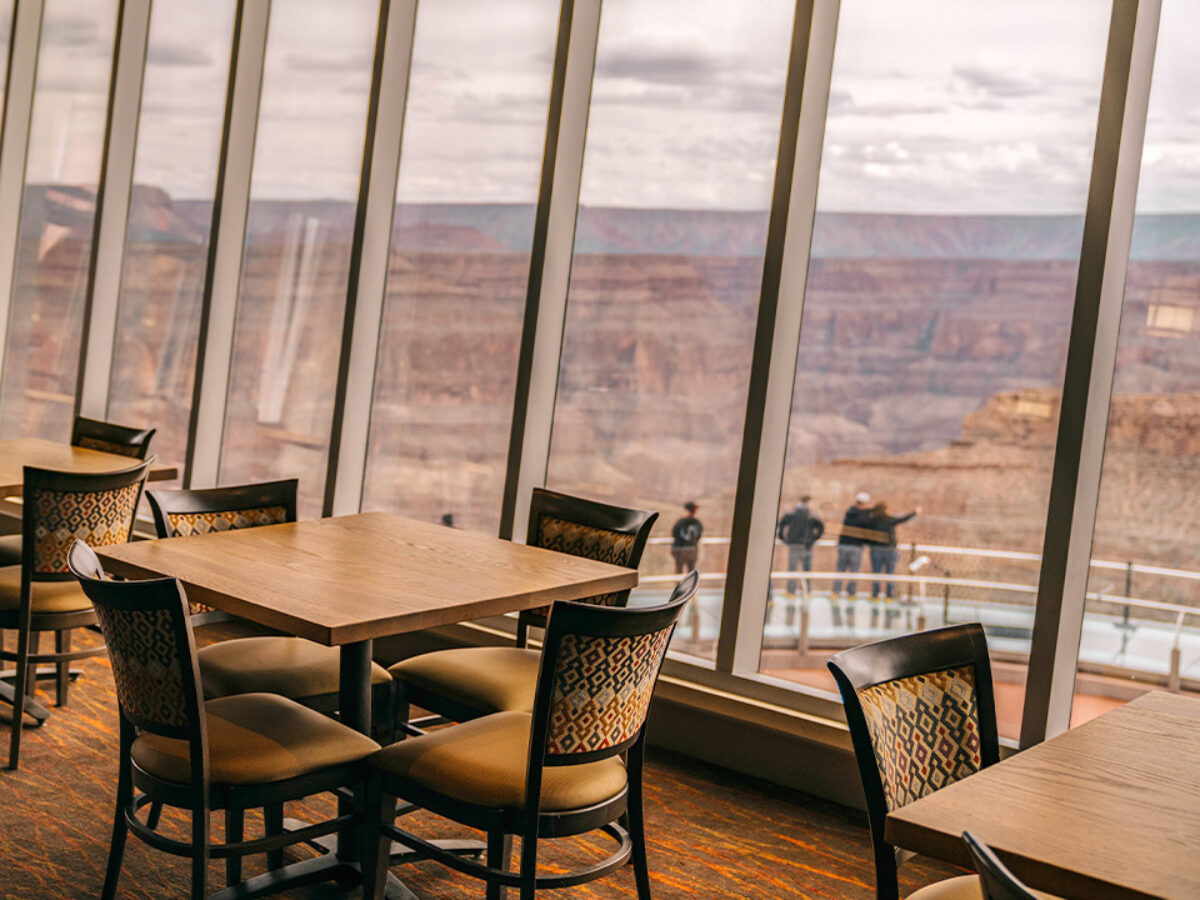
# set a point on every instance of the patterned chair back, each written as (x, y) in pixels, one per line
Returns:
(63, 507)
(922, 715)
(150, 645)
(610, 534)
(93, 434)
(599, 668)
(183, 513)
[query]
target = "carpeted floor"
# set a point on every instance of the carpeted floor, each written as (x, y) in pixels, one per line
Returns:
(711, 833)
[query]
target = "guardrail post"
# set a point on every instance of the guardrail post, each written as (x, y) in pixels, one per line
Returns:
(1174, 679)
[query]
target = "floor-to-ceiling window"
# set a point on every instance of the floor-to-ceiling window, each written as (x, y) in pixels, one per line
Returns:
(475, 125)
(1142, 627)
(953, 182)
(170, 215)
(677, 176)
(49, 290)
(307, 162)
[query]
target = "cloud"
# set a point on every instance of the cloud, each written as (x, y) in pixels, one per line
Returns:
(994, 81)
(184, 55)
(311, 61)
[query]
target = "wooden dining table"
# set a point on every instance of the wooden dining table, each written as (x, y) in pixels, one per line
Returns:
(1110, 809)
(17, 453)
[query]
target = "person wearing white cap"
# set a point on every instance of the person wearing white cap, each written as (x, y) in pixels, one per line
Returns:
(856, 533)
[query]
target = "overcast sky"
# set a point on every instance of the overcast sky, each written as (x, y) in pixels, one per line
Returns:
(967, 107)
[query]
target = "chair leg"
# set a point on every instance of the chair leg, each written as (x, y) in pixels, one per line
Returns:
(199, 852)
(401, 710)
(528, 866)
(499, 856)
(154, 815)
(23, 679)
(235, 832)
(273, 825)
(116, 847)
(62, 644)
(637, 835)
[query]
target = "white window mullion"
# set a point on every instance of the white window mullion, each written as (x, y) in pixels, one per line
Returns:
(550, 266)
(369, 261)
(112, 209)
(228, 235)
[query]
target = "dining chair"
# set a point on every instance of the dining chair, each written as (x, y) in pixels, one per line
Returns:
(293, 667)
(40, 595)
(91, 434)
(922, 715)
(467, 682)
(995, 880)
(197, 755)
(571, 765)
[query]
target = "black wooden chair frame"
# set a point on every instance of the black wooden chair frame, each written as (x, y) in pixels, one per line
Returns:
(620, 817)
(577, 510)
(136, 440)
(995, 879)
(26, 622)
(199, 796)
(878, 662)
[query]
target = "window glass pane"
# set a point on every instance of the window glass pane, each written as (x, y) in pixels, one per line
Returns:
(950, 206)
(1141, 627)
(307, 161)
(474, 130)
(50, 287)
(170, 214)
(677, 178)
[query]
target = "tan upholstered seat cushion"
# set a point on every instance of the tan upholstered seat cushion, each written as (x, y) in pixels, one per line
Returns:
(288, 666)
(10, 549)
(489, 679)
(254, 739)
(484, 762)
(48, 596)
(964, 887)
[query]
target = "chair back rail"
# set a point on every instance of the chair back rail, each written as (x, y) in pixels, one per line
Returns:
(995, 879)
(92, 434)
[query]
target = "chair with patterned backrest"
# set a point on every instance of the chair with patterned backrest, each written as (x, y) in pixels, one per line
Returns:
(40, 595)
(922, 715)
(296, 668)
(90, 434)
(996, 881)
(467, 682)
(232, 753)
(555, 771)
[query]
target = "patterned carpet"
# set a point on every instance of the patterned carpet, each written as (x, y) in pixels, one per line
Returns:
(711, 833)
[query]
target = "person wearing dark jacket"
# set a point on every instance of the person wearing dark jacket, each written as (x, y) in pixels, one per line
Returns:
(856, 533)
(883, 547)
(799, 529)
(685, 540)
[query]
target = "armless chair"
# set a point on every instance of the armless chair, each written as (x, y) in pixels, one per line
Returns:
(40, 594)
(922, 715)
(553, 772)
(90, 434)
(293, 667)
(467, 682)
(996, 881)
(232, 753)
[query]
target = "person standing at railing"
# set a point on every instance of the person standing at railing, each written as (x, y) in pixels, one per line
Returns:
(856, 533)
(800, 529)
(884, 553)
(685, 540)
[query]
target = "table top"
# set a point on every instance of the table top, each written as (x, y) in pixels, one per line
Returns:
(17, 453)
(352, 578)
(1110, 809)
